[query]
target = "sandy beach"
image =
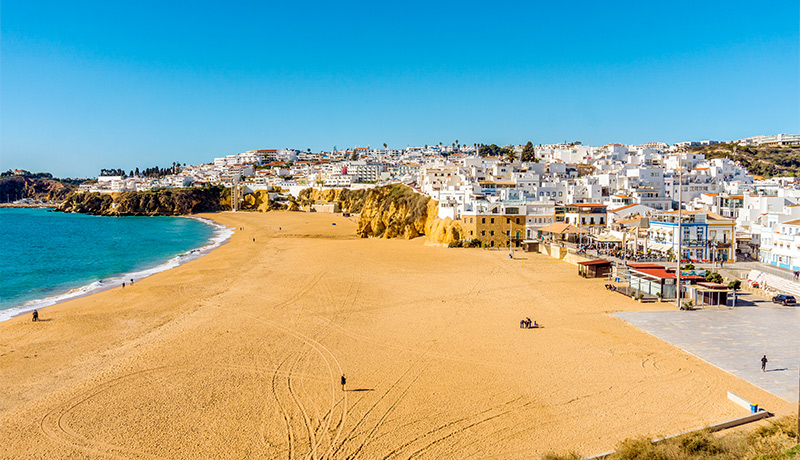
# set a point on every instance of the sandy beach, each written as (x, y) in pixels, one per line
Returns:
(239, 354)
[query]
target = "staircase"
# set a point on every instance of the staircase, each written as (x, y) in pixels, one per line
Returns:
(774, 283)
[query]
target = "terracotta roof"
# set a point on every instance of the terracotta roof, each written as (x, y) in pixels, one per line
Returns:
(588, 205)
(792, 222)
(623, 207)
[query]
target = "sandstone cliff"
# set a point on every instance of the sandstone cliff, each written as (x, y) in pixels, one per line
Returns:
(171, 202)
(351, 201)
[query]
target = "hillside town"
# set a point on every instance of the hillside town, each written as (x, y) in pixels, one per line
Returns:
(618, 200)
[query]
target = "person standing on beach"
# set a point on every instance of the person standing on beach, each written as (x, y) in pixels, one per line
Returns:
(344, 381)
(35, 315)
(123, 285)
(764, 364)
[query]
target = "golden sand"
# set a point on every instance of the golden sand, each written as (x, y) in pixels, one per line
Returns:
(239, 353)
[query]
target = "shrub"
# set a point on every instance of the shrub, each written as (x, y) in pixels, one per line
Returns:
(699, 442)
(640, 449)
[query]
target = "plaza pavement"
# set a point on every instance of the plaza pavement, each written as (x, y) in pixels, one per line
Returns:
(735, 339)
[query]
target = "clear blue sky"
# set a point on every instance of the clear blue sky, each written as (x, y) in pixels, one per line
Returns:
(87, 85)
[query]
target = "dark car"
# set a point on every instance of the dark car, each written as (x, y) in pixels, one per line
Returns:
(784, 299)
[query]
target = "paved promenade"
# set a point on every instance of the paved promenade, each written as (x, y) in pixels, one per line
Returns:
(735, 340)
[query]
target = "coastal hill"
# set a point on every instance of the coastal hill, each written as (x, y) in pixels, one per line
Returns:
(760, 160)
(20, 185)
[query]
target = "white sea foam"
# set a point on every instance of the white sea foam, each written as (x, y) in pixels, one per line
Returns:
(221, 235)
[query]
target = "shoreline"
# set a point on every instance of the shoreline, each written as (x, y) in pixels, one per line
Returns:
(221, 235)
(29, 205)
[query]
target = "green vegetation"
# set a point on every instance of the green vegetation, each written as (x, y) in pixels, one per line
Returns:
(529, 153)
(713, 277)
(153, 172)
(776, 440)
(494, 151)
(735, 285)
(763, 160)
(473, 243)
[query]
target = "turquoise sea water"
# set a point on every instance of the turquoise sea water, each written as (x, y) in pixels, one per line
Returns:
(49, 256)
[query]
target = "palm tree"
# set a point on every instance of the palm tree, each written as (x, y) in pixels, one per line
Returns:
(384, 145)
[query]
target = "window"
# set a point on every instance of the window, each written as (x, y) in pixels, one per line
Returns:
(492, 219)
(508, 220)
(483, 220)
(483, 232)
(491, 233)
(517, 220)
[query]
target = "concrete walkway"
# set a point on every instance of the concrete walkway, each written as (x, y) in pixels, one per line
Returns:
(735, 339)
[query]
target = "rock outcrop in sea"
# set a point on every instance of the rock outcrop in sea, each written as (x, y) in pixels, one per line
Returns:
(169, 202)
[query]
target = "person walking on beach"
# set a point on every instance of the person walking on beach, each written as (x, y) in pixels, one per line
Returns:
(123, 285)
(344, 381)
(764, 364)
(35, 315)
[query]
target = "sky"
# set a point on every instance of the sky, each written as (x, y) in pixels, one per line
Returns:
(87, 85)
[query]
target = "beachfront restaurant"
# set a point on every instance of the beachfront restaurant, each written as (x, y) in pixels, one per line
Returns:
(594, 268)
(657, 280)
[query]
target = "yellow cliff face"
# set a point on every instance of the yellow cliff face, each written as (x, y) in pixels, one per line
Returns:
(393, 212)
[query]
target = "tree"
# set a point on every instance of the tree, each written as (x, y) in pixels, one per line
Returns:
(528, 152)
(384, 145)
(510, 155)
(713, 277)
(354, 156)
(735, 285)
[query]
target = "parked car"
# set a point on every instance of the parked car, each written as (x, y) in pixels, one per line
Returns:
(784, 299)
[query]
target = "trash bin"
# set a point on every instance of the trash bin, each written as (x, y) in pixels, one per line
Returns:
(753, 408)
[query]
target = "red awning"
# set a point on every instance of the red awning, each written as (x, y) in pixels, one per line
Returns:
(594, 262)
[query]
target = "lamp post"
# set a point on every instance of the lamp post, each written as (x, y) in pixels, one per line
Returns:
(680, 252)
(510, 247)
(714, 256)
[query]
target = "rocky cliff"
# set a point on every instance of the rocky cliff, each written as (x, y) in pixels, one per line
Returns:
(351, 201)
(171, 202)
(18, 187)
(391, 211)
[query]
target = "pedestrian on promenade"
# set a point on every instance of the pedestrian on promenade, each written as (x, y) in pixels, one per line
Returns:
(344, 381)
(764, 364)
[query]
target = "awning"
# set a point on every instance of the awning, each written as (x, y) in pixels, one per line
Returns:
(661, 247)
(606, 238)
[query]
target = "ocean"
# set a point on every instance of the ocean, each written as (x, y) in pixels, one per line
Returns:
(47, 257)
